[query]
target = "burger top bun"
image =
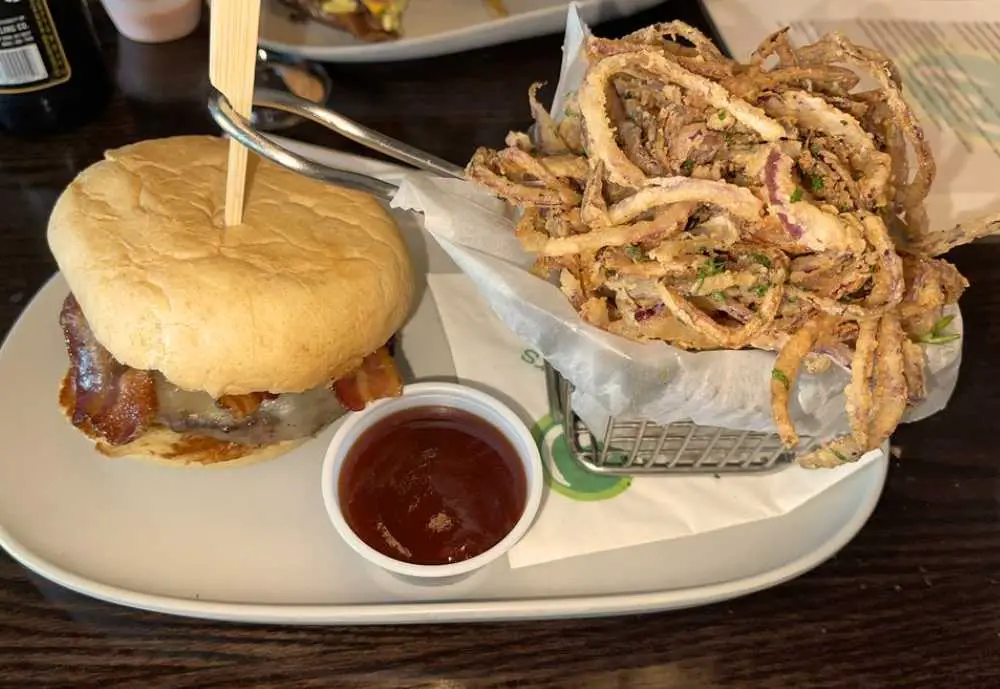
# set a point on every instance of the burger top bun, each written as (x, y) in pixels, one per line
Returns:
(314, 279)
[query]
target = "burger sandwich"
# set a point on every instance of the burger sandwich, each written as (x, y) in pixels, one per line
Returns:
(193, 343)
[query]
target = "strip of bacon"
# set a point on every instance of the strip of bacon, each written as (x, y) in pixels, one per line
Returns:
(104, 398)
(378, 377)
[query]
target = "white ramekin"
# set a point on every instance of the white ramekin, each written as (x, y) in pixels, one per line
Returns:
(154, 21)
(434, 394)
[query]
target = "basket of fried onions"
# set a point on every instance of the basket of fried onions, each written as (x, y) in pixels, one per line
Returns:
(777, 204)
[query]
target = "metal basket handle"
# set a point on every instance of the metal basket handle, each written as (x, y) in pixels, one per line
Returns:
(241, 130)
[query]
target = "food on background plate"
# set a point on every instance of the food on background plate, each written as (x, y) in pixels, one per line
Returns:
(497, 8)
(368, 20)
(777, 204)
(372, 21)
(193, 343)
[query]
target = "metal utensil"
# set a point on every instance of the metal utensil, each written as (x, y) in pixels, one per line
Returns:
(241, 130)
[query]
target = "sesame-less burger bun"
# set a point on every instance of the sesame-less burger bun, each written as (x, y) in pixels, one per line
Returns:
(195, 344)
(314, 279)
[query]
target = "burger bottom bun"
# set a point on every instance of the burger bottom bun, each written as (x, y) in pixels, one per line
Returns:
(166, 447)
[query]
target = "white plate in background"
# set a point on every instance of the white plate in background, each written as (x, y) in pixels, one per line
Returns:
(434, 27)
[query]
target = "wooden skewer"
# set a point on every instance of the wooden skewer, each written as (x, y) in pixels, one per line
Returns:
(231, 63)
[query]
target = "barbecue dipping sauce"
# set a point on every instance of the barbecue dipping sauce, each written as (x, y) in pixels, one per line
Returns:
(432, 485)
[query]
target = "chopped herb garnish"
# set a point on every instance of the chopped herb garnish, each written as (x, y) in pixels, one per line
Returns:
(634, 252)
(792, 299)
(844, 122)
(815, 182)
(760, 290)
(761, 259)
(687, 166)
(712, 266)
(796, 195)
(730, 139)
(839, 455)
(722, 114)
(937, 335)
(844, 209)
(718, 296)
(778, 375)
(814, 149)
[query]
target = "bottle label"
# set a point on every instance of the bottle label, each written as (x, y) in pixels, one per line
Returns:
(31, 54)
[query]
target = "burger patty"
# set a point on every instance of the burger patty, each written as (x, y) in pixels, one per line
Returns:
(279, 418)
(112, 402)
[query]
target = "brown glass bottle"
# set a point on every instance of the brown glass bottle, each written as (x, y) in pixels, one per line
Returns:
(52, 74)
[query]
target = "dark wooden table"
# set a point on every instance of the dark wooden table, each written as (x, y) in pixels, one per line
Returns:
(914, 600)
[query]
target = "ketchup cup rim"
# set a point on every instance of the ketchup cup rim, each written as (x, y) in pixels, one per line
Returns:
(458, 396)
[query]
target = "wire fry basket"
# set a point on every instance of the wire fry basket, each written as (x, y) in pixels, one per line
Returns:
(637, 448)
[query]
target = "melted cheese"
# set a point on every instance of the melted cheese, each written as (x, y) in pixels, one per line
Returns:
(389, 12)
(340, 6)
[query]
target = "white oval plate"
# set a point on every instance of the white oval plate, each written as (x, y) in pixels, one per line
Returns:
(254, 544)
(434, 27)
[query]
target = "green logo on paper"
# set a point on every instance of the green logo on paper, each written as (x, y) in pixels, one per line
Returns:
(564, 474)
(959, 89)
(530, 356)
